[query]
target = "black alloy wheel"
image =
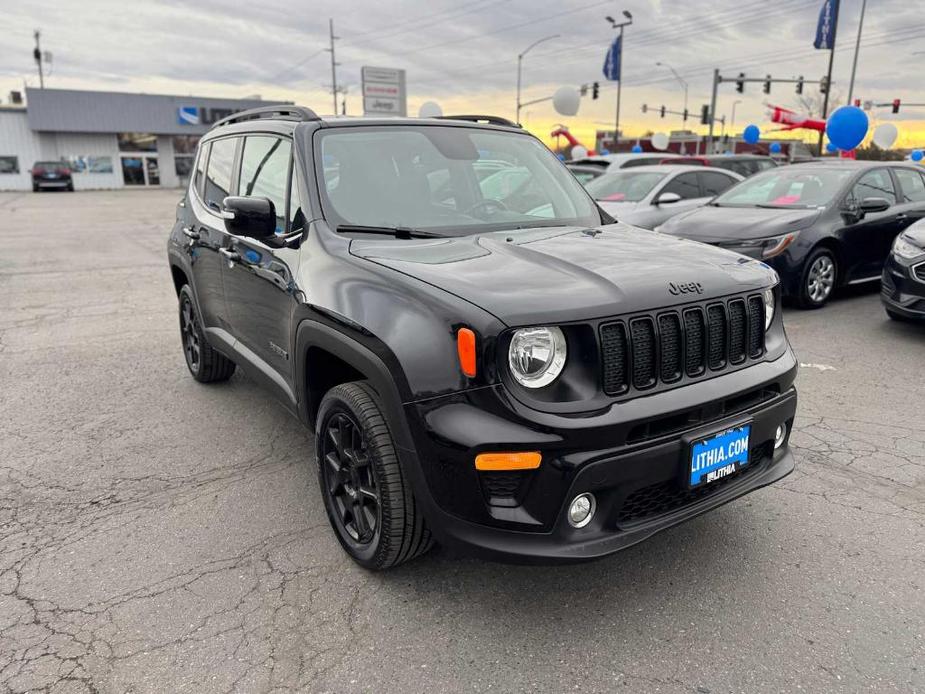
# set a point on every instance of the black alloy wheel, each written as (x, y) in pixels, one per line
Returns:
(350, 480)
(206, 364)
(189, 332)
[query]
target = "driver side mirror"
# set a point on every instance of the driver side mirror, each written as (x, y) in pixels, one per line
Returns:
(666, 198)
(253, 217)
(869, 205)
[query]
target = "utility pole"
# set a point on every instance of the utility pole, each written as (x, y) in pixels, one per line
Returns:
(857, 49)
(620, 26)
(716, 80)
(37, 54)
(334, 65)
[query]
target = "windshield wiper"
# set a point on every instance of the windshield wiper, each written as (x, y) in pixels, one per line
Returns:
(397, 232)
(780, 207)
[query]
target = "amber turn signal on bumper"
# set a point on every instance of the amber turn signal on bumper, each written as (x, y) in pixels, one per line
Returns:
(497, 462)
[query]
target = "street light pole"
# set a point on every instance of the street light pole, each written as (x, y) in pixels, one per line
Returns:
(520, 60)
(732, 120)
(684, 85)
(620, 26)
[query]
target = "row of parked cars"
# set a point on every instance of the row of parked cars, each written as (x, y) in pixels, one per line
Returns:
(821, 224)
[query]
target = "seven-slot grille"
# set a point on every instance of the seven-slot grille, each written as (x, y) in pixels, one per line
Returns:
(645, 350)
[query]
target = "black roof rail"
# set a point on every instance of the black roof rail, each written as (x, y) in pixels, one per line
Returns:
(296, 113)
(493, 120)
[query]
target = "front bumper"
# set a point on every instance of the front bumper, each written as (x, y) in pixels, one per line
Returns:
(632, 457)
(901, 290)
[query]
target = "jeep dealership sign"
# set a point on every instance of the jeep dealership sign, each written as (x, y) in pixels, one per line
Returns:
(384, 92)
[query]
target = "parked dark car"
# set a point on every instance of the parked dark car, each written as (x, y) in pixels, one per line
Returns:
(743, 164)
(513, 374)
(820, 225)
(51, 174)
(902, 287)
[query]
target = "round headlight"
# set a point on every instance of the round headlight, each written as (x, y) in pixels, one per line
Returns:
(536, 356)
(768, 307)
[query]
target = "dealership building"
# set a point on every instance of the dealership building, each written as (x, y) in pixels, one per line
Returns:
(108, 139)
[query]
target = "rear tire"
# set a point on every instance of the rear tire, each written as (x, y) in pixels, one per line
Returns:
(367, 495)
(820, 277)
(206, 364)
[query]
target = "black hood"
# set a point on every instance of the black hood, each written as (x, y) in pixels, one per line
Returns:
(712, 224)
(562, 274)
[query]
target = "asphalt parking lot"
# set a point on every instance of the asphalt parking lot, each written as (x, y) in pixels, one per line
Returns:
(157, 535)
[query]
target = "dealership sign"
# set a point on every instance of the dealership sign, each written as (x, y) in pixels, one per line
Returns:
(200, 115)
(384, 92)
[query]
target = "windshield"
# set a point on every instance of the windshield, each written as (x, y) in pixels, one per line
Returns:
(791, 186)
(626, 186)
(446, 180)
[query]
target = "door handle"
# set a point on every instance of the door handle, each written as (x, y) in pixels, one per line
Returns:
(191, 233)
(230, 255)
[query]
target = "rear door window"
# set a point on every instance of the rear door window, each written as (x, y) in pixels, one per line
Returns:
(219, 174)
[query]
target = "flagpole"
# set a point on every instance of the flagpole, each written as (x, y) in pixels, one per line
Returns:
(616, 127)
(828, 80)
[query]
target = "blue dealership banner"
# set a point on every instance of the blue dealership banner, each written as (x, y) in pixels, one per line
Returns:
(613, 60)
(825, 30)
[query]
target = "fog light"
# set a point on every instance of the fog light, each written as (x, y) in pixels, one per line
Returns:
(780, 435)
(581, 510)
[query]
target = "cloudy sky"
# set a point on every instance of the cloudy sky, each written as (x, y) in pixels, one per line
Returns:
(463, 54)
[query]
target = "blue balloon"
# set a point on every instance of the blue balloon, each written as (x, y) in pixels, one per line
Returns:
(917, 155)
(847, 127)
(636, 149)
(604, 152)
(830, 147)
(751, 134)
(561, 156)
(775, 148)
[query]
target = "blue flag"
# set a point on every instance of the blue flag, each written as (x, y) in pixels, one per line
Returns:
(612, 61)
(825, 30)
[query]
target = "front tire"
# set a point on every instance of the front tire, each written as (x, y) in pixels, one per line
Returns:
(820, 274)
(366, 493)
(206, 364)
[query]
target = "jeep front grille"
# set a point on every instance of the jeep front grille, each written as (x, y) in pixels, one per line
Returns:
(639, 352)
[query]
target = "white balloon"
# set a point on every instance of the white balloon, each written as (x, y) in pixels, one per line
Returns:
(579, 152)
(566, 101)
(430, 109)
(660, 141)
(885, 135)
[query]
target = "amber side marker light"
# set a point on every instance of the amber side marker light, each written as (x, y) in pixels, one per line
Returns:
(465, 347)
(508, 461)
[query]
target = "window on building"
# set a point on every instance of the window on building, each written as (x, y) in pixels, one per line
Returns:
(218, 176)
(9, 164)
(265, 171)
(137, 142)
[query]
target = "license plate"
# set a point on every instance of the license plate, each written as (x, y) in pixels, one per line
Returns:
(719, 455)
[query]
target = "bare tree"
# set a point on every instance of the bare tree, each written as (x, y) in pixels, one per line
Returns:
(811, 104)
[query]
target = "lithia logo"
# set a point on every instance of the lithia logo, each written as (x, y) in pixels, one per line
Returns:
(685, 288)
(200, 115)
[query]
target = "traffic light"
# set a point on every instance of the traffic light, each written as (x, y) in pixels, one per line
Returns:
(767, 85)
(896, 103)
(583, 90)
(740, 84)
(857, 102)
(663, 111)
(595, 90)
(705, 114)
(800, 84)
(645, 108)
(824, 84)
(685, 115)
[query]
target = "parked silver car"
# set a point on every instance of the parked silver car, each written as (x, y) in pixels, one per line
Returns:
(646, 196)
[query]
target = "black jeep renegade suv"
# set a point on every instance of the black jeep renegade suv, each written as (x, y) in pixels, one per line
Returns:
(485, 357)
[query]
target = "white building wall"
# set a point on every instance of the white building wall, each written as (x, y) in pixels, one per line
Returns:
(16, 139)
(165, 162)
(69, 145)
